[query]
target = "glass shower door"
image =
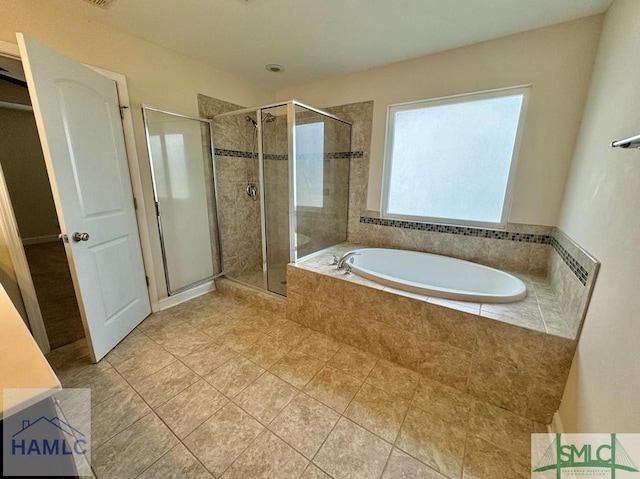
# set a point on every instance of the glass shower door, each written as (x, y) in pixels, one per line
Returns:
(183, 183)
(275, 163)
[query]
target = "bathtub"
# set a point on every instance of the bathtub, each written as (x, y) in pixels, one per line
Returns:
(436, 276)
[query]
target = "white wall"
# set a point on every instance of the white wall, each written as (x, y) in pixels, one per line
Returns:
(556, 60)
(155, 75)
(601, 212)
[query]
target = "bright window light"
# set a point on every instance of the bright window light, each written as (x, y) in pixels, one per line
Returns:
(310, 164)
(452, 160)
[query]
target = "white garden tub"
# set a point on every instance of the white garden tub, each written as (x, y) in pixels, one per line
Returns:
(436, 276)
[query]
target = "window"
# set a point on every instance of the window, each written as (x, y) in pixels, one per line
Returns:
(452, 160)
(310, 164)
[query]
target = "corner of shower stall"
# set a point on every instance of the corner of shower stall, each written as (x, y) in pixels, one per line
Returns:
(273, 210)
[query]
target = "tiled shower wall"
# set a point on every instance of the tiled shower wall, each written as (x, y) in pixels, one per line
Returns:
(239, 214)
(533, 249)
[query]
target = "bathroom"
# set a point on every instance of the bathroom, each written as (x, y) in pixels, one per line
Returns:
(569, 235)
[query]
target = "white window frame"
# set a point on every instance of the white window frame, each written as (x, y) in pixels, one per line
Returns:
(449, 100)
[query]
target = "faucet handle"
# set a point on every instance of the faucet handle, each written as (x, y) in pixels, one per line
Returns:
(335, 260)
(347, 268)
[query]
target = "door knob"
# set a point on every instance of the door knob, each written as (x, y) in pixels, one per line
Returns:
(80, 236)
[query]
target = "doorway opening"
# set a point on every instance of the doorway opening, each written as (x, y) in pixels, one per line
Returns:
(28, 185)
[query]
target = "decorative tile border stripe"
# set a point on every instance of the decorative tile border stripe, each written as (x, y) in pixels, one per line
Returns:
(268, 156)
(459, 230)
(578, 270)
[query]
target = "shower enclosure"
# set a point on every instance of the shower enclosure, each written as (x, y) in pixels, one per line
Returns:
(282, 174)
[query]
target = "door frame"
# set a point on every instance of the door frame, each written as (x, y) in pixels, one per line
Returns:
(10, 227)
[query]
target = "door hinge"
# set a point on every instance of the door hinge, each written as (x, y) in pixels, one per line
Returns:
(122, 109)
(146, 278)
(135, 203)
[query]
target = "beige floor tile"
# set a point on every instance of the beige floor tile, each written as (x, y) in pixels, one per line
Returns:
(266, 351)
(333, 387)
(313, 472)
(144, 363)
(103, 384)
(265, 397)
(394, 379)
(444, 401)
(75, 371)
(378, 411)
(116, 414)
(289, 331)
(319, 346)
(129, 347)
(297, 368)
(187, 341)
(69, 352)
(223, 437)
(351, 452)
(186, 411)
(207, 360)
(483, 460)
(437, 443)
(164, 384)
(403, 466)
(239, 336)
(353, 361)
(501, 428)
(163, 331)
(233, 376)
(304, 424)
(177, 463)
(267, 457)
(130, 452)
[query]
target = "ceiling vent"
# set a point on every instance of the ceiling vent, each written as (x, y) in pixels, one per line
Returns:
(101, 3)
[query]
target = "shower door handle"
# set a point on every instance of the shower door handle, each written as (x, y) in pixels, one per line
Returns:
(80, 236)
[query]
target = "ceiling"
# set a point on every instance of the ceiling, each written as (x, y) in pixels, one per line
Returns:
(316, 39)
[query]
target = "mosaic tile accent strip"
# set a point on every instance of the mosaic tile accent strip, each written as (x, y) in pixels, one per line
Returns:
(578, 270)
(459, 230)
(247, 154)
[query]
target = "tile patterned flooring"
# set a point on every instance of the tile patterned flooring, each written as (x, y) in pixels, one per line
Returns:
(217, 387)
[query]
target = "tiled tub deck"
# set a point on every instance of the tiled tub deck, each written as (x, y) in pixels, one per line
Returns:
(516, 356)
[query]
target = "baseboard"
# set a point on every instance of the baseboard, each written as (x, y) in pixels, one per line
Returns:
(40, 239)
(192, 293)
(556, 426)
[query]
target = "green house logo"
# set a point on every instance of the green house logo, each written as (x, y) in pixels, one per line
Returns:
(603, 455)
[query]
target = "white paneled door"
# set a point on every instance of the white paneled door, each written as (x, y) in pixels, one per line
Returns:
(78, 118)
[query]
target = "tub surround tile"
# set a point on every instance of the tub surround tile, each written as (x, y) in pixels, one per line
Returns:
(351, 452)
(304, 424)
(544, 399)
(443, 401)
(556, 358)
(457, 328)
(445, 363)
(394, 379)
(353, 361)
(500, 384)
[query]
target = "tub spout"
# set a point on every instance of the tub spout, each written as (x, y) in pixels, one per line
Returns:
(345, 257)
